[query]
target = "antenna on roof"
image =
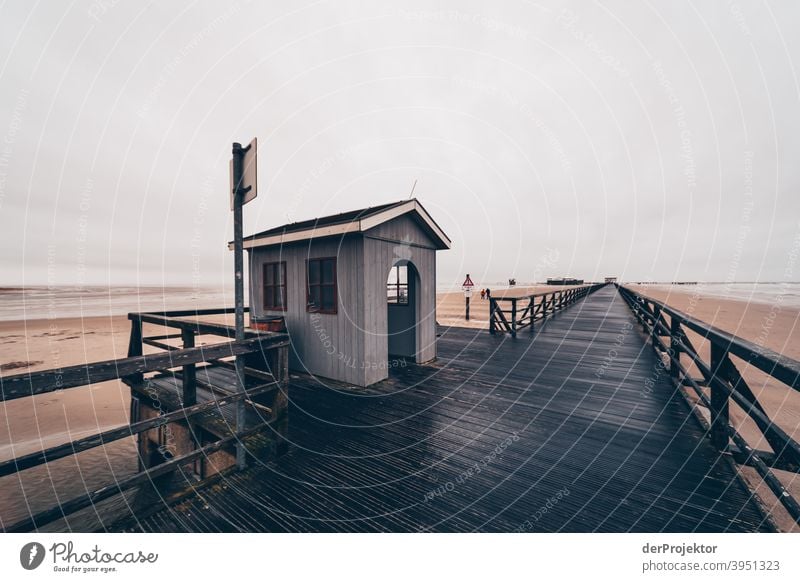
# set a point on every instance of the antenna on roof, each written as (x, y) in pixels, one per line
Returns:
(412, 190)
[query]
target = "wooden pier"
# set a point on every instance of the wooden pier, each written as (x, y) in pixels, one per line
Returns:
(579, 426)
(539, 433)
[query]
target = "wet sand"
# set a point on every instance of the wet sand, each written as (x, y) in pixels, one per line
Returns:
(31, 424)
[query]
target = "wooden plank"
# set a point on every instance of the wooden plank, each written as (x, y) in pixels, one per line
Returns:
(186, 312)
(33, 383)
(134, 348)
(189, 372)
(165, 336)
(199, 327)
(160, 345)
(720, 415)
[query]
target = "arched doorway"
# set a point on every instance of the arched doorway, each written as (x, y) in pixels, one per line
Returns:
(402, 298)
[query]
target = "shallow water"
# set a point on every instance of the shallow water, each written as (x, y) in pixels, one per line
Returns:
(18, 303)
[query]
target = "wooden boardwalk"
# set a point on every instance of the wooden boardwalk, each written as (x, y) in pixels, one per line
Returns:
(500, 434)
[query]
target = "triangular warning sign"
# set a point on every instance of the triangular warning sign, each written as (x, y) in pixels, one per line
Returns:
(468, 282)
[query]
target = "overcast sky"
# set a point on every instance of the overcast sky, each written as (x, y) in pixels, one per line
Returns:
(649, 140)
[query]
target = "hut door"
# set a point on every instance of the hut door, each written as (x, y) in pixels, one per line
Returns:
(401, 292)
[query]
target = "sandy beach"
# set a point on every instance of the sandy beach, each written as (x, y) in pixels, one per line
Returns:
(30, 424)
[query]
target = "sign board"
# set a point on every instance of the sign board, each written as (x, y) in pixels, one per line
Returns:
(467, 286)
(249, 173)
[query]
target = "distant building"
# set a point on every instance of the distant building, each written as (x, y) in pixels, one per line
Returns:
(564, 281)
(611, 279)
(354, 289)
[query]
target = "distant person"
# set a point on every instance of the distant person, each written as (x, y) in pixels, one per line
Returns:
(483, 293)
(488, 293)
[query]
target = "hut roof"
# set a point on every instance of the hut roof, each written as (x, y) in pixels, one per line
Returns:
(351, 221)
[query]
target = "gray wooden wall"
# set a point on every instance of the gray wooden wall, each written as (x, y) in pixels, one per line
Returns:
(328, 345)
(352, 345)
(384, 246)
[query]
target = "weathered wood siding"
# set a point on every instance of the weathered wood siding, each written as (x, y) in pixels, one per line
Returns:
(327, 345)
(384, 246)
(352, 345)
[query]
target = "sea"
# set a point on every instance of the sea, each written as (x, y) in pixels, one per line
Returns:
(51, 302)
(42, 302)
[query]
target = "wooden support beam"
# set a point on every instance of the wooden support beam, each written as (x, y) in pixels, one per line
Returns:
(199, 327)
(675, 335)
(514, 318)
(166, 336)
(134, 349)
(189, 372)
(159, 345)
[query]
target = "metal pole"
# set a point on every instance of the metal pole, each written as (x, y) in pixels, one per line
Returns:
(238, 267)
(467, 300)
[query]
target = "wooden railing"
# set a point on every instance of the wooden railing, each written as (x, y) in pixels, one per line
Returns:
(132, 370)
(525, 311)
(721, 385)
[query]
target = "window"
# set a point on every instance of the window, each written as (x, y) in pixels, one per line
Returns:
(397, 285)
(275, 286)
(321, 287)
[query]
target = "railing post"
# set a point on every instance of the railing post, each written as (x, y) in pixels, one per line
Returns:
(514, 317)
(719, 399)
(135, 347)
(492, 308)
(189, 371)
(675, 333)
(531, 312)
(654, 332)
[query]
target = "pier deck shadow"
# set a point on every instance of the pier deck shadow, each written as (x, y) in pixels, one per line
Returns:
(551, 431)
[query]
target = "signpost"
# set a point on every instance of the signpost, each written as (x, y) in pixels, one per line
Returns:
(467, 286)
(244, 187)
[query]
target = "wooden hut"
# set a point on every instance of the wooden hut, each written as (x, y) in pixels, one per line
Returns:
(356, 290)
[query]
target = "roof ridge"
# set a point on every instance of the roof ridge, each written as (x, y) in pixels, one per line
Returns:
(355, 214)
(359, 220)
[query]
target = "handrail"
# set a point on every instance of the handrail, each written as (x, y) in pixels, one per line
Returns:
(543, 293)
(783, 368)
(34, 383)
(534, 311)
(725, 383)
(67, 449)
(83, 501)
(132, 369)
